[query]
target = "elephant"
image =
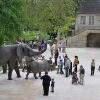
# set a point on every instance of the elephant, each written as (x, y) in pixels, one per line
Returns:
(38, 67)
(12, 54)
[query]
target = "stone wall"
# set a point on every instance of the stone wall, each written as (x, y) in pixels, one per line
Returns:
(80, 40)
(76, 41)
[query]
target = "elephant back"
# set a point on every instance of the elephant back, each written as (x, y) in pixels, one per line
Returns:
(34, 66)
(44, 66)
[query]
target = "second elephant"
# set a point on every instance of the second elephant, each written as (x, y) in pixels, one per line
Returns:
(37, 67)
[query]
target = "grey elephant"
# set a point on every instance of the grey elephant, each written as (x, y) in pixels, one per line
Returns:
(11, 54)
(37, 67)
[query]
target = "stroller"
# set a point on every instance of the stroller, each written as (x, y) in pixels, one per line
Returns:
(74, 78)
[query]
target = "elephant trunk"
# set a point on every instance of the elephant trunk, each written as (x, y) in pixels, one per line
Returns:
(36, 53)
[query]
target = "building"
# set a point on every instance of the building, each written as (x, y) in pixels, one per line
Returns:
(87, 26)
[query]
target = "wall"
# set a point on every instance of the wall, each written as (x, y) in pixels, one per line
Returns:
(79, 27)
(80, 40)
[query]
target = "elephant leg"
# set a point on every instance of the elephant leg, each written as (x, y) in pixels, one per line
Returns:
(10, 69)
(17, 70)
(39, 74)
(35, 76)
(27, 75)
(23, 69)
(4, 69)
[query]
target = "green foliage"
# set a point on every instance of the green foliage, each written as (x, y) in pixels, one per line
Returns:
(11, 19)
(28, 35)
(50, 16)
(43, 16)
(77, 3)
(47, 15)
(33, 35)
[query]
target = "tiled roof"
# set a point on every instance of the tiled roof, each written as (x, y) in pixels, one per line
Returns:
(89, 7)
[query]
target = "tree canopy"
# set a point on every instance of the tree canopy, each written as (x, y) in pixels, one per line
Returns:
(11, 19)
(45, 16)
(51, 15)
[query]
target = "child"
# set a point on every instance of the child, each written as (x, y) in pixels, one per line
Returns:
(81, 75)
(74, 78)
(52, 85)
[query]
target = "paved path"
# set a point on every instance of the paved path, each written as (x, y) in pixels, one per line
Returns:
(21, 89)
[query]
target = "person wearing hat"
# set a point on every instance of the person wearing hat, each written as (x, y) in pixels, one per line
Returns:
(46, 83)
(81, 74)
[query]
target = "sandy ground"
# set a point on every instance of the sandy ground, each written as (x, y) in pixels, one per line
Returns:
(21, 89)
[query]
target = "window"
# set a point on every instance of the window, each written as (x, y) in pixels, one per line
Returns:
(83, 20)
(91, 20)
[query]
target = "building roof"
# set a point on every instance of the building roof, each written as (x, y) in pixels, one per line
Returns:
(89, 7)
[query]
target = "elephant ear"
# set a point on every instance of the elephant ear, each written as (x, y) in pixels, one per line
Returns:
(19, 52)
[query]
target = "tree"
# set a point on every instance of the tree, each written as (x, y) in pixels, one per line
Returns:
(77, 4)
(11, 19)
(48, 15)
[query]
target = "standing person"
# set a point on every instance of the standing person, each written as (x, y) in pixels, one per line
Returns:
(46, 83)
(67, 66)
(61, 66)
(63, 46)
(75, 64)
(58, 64)
(70, 68)
(92, 67)
(81, 74)
(74, 78)
(56, 56)
(39, 46)
(52, 85)
(42, 44)
(51, 50)
(65, 58)
(50, 62)
(59, 46)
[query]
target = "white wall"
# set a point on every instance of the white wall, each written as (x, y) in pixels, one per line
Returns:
(79, 26)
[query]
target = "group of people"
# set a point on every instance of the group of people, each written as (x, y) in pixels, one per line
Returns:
(34, 44)
(67, 67)
(46, 83)
(70, 69)
(66, 64)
